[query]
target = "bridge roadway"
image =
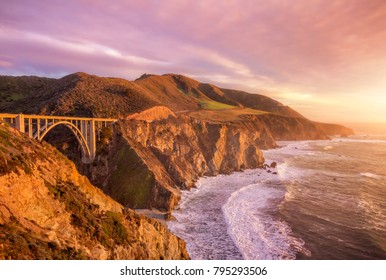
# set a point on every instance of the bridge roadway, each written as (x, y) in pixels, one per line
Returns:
(86, 130)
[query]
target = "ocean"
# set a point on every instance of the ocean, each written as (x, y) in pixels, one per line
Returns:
(324, 200)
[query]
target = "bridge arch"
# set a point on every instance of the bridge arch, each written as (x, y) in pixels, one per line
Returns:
(86, 153)
(85, 130)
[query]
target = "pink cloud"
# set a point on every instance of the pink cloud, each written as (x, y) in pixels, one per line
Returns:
(321, 48)
(5, 64)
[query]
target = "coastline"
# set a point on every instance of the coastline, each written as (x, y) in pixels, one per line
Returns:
(205, 185)
(259, 178)
(270, 202)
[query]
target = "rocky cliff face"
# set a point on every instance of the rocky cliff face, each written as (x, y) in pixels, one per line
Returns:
(173, 129)
(291, 129)
(49, 211)
(334, 129)
(149, 160)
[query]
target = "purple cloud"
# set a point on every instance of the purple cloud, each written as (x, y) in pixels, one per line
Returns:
(309, 54)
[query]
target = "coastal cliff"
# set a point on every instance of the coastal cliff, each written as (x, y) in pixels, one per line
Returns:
(49, 211)
(150, 158)
(171, 130)
(148, 162)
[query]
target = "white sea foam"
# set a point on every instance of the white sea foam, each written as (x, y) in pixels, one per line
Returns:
(371, 175)
(199, 218)
(247, 222)
(253, 227)
(358, 140)
(235, 216)
(374, 212)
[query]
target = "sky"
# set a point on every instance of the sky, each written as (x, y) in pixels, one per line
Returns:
(325, 59)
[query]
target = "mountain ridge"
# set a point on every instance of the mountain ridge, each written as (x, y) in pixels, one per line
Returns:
(159, 85)
(171, 130)
(87, 95)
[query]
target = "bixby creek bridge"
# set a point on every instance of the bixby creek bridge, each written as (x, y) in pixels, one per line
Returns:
(86, 130)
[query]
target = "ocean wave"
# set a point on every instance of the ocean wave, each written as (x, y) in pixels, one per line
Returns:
(371, 175)
(200, 220)
(241, 215)
(359, 140)
(374, 212)
(253, 227)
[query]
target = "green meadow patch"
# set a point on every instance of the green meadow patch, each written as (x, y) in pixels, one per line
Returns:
(214, 105)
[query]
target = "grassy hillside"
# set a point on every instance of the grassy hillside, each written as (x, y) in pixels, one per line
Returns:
(214, 105)
(87, 95)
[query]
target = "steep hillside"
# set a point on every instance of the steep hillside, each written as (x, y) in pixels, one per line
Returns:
(80, 94)
(172, 130)
(260, 102)
(49, 211)
(152, 114)
(334, 129)
(77, 94)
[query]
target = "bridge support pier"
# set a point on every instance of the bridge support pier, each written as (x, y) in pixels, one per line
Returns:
(88, 132)
(19, 123)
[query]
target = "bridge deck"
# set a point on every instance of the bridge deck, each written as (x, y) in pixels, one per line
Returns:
(43, 117)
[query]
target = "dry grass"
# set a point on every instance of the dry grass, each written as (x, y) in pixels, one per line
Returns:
(214, 105)
(224, 115)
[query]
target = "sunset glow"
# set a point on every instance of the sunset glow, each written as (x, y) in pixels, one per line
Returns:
(326, 59)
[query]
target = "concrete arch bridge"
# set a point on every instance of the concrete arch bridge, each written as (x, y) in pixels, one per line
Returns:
(86, 130)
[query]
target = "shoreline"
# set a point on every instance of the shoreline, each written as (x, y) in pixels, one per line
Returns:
(286, 150)
(259, 175)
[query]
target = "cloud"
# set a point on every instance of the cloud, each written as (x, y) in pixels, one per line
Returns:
(5, 64)
(77, 47)
(333, 51)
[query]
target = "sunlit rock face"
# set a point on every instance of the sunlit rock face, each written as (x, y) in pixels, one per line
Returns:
(49, 211)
